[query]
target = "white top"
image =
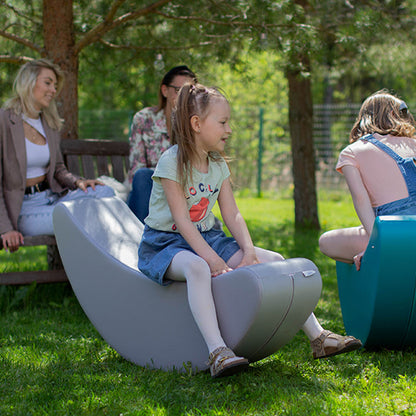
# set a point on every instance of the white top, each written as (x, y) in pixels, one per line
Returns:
(201, 194)
(37, 156)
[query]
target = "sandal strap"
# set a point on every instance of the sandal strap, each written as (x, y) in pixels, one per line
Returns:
(220, 354)
(318, 343)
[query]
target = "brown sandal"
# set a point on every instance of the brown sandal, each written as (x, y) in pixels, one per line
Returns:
(223, 362)
(344, 344)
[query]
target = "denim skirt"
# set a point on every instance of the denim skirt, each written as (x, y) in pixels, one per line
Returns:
(158, 248)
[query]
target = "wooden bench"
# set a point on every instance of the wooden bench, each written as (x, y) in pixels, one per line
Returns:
(89, 159)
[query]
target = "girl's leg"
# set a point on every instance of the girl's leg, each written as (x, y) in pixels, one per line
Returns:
(192, 268)
(189, 267)
(264, 256)
(344, 244)
(324, 343)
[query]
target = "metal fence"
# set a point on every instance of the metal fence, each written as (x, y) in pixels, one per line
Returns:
(260, 155)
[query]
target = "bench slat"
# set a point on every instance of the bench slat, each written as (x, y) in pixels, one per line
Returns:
(27, 277)
(87, 158)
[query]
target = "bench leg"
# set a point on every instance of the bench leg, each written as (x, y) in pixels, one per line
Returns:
(54, 258)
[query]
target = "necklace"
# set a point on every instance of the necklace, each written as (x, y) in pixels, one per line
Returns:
(33, 135)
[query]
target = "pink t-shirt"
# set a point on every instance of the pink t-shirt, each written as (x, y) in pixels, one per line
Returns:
(379, 172)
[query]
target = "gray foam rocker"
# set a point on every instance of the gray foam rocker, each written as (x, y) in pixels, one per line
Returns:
(260, 308)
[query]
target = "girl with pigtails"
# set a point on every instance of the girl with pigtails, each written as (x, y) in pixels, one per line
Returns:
(179, 242)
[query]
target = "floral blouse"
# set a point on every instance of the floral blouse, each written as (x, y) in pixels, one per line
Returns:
(149, 139)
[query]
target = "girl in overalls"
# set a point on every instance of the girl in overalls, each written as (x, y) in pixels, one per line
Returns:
(379, 167)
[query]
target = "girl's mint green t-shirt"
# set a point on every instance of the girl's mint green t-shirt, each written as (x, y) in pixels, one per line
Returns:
(200, 195)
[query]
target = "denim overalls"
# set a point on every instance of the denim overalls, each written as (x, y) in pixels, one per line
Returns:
(405, 206)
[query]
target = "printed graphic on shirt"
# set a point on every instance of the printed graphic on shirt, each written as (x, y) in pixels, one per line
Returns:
(199, 210)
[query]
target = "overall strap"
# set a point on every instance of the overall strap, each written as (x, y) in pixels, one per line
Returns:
(370, 138)
(406, 165)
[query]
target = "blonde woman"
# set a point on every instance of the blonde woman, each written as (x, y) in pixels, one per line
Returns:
(33, 177)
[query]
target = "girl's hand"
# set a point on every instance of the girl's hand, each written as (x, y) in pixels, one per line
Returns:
(12, 240)
(83, 184)
(357, 260)
(218, 266)
(248, 259)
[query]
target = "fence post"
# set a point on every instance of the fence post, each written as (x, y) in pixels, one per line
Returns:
(260, 153)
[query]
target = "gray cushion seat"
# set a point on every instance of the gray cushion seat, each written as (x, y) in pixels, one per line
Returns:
(260, 308)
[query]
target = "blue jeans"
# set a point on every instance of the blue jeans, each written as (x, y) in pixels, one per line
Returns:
(139, 197)
(36, 214)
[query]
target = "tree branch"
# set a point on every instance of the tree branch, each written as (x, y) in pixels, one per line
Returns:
(22, 41)
(158, 48)
(14, 59)
(108, 23)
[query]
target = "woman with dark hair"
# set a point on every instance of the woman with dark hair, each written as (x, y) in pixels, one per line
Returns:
(150, 138)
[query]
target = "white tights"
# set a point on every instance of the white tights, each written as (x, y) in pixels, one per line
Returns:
(187, 266)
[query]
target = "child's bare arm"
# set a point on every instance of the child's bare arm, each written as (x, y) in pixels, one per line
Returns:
(180, 214)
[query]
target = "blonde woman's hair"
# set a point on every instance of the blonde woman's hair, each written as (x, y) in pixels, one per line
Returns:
(193, 99)
(383, 113)
(22, 100)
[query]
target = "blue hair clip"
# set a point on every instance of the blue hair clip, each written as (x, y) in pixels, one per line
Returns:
(403, 108)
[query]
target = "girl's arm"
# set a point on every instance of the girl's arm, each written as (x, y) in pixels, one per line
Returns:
(180, 214)
(361, 202)
(236, 224)
(360, 197)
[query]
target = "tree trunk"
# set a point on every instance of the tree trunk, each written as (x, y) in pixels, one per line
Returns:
(59, 38)
(303, 155)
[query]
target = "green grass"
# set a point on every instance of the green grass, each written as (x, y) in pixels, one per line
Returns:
(53, 361)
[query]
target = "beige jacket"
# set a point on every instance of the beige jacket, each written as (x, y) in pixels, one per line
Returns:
(13, 167)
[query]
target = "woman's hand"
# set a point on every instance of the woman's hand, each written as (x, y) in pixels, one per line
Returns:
(83, 184)
(12, 240)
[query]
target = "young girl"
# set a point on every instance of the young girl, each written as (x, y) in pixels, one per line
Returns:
(179, 242)
(380, 172)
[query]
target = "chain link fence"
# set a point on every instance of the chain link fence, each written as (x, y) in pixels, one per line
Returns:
(259, 150)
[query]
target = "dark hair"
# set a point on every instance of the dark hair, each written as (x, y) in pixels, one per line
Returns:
(181, 70)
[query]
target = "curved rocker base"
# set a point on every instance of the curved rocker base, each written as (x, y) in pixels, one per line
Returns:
(378, 302)
(260, 308)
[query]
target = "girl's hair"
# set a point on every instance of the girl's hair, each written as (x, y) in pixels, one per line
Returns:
(167, 80)
(383, 113)
(193, 99)
(22, 100)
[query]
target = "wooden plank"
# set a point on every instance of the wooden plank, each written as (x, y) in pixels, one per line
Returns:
(88, 167)
(72, 163)
(25, 278)
(37, 240)
(118, 168)
(102, 166)
(94, 147)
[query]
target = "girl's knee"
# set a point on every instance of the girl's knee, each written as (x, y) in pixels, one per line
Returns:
(323, 242)
(197, 267)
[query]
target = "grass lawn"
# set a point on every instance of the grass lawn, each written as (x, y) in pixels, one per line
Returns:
(53, 361)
